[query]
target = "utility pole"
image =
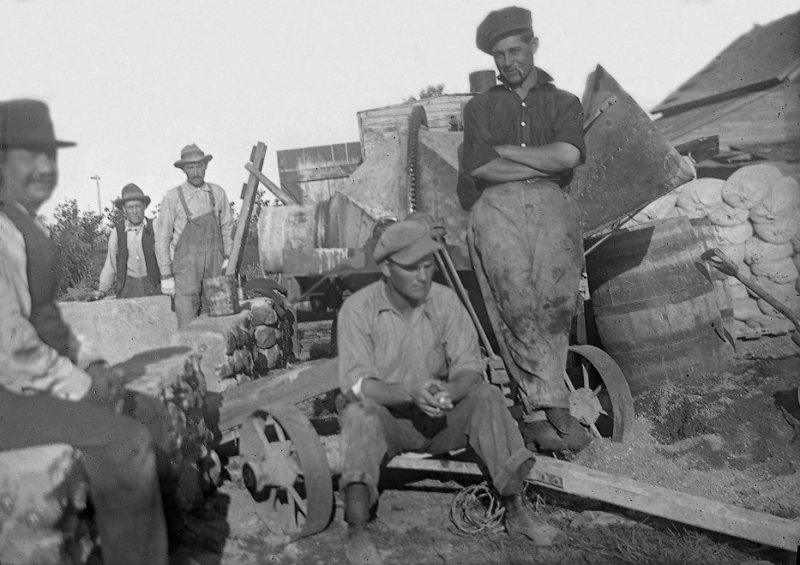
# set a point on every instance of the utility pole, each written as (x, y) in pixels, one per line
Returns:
(96, 179)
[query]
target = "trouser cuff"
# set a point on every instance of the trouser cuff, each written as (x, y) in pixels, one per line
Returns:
(510, 469)
(360, 477)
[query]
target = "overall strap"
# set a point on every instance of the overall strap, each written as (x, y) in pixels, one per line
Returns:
(183, 202)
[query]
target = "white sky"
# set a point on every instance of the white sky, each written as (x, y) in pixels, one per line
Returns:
(133, 81)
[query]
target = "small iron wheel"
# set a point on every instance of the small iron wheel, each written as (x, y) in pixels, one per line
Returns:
(286, 471)
(599, 395)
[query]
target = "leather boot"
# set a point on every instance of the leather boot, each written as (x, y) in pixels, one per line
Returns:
(359, 547)
(540, 435)
(519, 523)
(569, 429)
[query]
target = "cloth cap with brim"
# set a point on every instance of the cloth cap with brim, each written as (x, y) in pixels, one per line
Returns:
(405, 243)
(500, 24)
(131, 192)
(192, 154)
(27, 124)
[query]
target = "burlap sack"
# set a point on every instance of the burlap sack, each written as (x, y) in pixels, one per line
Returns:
(726, 215)
(698, 197)
(759, 251)
(734, 251)
(778, 231)
(781, 201)
(734, 234)
(744, 308)
(782, 272)
(748, 185)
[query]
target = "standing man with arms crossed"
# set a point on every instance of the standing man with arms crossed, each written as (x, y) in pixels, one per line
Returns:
(411, 371)
(131, 259)
(194, 234)
(525, 238)
(48, 392)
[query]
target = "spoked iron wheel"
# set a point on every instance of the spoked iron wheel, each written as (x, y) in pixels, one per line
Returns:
(599, 395)
(286, 471)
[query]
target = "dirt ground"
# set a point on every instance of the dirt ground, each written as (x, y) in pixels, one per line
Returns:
(719, 437)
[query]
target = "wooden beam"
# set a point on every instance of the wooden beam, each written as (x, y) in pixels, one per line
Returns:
(657, 501)
(249, 193)
(279, 193)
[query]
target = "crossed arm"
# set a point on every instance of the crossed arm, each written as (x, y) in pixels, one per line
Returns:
(522, 163)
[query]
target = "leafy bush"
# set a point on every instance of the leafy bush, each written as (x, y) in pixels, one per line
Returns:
(79, 235)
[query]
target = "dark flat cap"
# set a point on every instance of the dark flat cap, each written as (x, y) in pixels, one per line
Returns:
(406, 243)
(500, 24)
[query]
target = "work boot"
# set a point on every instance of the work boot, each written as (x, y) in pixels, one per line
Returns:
(540, 435)
(359, 547)
(519, 523)
(568, 428)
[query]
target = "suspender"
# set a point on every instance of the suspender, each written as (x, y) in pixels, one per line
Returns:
(186, 207)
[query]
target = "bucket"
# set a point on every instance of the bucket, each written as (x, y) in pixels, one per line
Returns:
(222, 298)
(657, 314)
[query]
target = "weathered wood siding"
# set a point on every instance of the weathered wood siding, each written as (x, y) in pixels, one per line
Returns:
(317, 173)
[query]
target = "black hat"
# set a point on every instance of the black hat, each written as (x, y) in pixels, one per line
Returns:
(27, 123)
(500, 24)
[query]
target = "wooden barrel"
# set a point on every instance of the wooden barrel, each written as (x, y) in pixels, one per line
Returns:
(707, 238)
(657, 314)
(221, 296)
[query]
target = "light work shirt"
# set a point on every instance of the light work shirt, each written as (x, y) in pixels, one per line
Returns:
(172, 219)
(376, 341)
(27, 364)
(136, 265)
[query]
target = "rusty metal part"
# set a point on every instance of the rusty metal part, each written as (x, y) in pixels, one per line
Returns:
(717, 258)
(286, 470)
(600, 388)
(610, 101)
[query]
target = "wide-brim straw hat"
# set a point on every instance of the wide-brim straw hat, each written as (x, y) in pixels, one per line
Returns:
(131, 192)
(192, 154)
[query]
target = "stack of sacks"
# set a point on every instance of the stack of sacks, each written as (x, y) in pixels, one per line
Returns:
(756, 216)
(772, 202)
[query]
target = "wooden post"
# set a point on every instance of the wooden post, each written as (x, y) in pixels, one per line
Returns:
(279, 193)
(249, 192)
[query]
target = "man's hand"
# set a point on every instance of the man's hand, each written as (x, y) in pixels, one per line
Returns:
(96, 295)
(431, 397)
(168, 286)
(107, 386)
(224, 265)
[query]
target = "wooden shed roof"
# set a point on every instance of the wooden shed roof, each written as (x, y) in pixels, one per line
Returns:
(759, 59)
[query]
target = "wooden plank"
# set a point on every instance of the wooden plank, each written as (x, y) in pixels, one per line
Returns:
(286, 198)
(680, 507)
(248, 202)
(318, 173)
(295, 385)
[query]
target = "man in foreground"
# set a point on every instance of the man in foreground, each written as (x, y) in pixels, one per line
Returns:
(131, 260)
(50, 392)
(410, 367)
(194, 234)
(521, 141)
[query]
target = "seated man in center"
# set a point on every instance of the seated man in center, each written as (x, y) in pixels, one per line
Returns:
(411, 370)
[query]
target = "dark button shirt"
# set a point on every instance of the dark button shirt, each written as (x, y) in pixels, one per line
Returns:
(500, 117)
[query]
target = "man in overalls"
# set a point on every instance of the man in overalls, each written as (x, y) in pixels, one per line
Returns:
(194, 234)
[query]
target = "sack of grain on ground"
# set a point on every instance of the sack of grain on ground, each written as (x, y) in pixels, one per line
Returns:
(756, 250)
(745, 307)
(699, 197)
(781, 201)
(778, 291)
(734, 234)
(726, 215)
(747, 186)
(734, 251)
(780, 230)
(782, 272)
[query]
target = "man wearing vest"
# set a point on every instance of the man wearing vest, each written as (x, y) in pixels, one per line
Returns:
(131, 243)
(51, 391)
(194, 234)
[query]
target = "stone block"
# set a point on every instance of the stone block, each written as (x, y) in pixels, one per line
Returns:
(265, 336)
(118, 328)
